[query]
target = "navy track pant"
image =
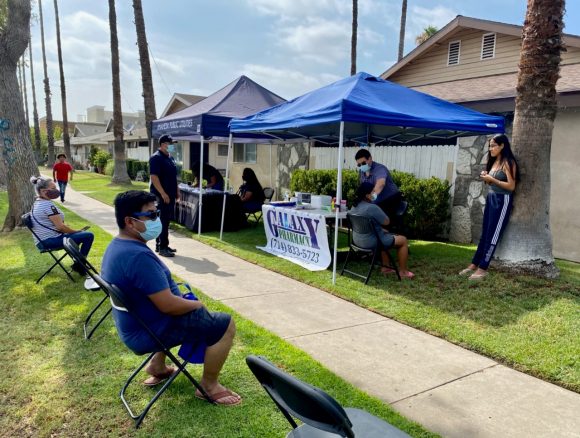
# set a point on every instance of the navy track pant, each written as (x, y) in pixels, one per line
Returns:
(496, 214)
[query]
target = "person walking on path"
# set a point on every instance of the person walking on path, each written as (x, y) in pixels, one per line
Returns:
(60, 173)
(146, 281)
(502, 174)
(385, 192)
(163, 171)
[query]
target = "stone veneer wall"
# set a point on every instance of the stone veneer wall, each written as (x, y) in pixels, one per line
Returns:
(290, 157)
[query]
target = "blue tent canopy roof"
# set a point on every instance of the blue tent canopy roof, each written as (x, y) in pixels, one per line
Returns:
(210, 117)
(372, 109)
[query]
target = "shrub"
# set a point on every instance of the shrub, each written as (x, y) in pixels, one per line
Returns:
(110, 167)
(429, 206)
(186, 176)
(139, 166)
(100, 159)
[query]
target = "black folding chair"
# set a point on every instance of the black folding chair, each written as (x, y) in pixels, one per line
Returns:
(27, 220)
(321, 414)
(257, 215)
(73, 251)
(120, 303)
(364, 225)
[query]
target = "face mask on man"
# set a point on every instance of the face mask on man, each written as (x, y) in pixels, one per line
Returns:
(171, 148)
(52, 193)
(152, 229)
(364, 167)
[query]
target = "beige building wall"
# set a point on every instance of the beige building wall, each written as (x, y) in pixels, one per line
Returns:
(565, 188)
(431, 67)
(265, 168)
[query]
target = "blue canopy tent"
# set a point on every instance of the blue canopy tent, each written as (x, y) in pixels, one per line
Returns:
(365, 109)
(210, 118)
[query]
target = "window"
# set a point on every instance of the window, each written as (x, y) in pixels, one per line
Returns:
(144, 144)
(245, 152)
(488, 46)
(454, 51)
(222, 150)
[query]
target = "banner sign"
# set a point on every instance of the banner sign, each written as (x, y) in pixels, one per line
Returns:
(297, 236)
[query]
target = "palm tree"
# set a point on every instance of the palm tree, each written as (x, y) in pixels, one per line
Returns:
(402, 30)
(146, 77)
(49, 128)
(15, 149)
(65, 134)
(34, 106)
(120, 175)
(25, 92)
(428, 32)
(527, 244)
(353, 37)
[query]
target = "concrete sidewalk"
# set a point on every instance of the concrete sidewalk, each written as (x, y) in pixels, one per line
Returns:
(448, 389)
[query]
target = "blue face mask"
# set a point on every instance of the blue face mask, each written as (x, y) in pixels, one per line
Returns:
(152, 229)
(365, 168)
(171, 148)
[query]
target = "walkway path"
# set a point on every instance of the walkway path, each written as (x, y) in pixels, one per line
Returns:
(448, 389)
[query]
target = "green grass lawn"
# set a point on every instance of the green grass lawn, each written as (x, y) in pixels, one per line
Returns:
(99, 186)
(528, 323)
(57, 384)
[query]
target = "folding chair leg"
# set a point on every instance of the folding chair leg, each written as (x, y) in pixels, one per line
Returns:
(56, 262)
(372, 265)
(350, 251)
(87, 320)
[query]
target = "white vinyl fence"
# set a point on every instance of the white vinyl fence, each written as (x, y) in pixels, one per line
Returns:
(421, 161)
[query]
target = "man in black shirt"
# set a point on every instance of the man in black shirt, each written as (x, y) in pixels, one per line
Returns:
(163, 185)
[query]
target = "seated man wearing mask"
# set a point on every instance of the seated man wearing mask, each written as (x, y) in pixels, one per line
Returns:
(146, 282)
(385, 193)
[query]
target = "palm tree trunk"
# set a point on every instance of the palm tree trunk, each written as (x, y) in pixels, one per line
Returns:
(65, 133)
(120, 175)
(49, 128)
(15, 148)
(34, 106)
(25, 93)
(353, 37)
(527, 244)
(402, 29)
(146, 77)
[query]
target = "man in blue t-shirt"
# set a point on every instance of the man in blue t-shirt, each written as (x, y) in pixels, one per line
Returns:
(153, 295)
(163, 171)
(385, 192)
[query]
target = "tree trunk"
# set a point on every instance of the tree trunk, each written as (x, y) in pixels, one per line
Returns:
(120, 175)
(15, 148)
(402, 29)
(65, 134)
(353, 37)
(527, 244)
(36, 146)
(25, 92)
(49, 128)
(146, 77)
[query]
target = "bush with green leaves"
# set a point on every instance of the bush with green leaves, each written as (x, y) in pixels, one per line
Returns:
(186, 176)
(110, 167)
(429, 199)
(101, 158)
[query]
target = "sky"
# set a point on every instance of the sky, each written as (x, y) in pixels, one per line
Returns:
(199, 46)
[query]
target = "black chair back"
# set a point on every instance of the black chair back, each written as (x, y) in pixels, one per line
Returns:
(27, 220)
(296, 398)
(268, 194)
(71, 247)
(362, 225)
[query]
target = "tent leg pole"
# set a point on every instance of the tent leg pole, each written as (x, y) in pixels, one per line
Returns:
(227, 183)
(200, 187)
(338, 198)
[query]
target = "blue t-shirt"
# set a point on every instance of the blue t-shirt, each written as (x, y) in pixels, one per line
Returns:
(138, 272)
(166, 170)
(377, 172)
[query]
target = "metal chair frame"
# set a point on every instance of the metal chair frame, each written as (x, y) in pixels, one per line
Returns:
(117, 302)
(354, 250)
(27, 220)
(268, 195)
(73, 251)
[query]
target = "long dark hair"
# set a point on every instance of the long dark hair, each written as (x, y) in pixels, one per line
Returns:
(506, 155)
(361, 193)
(249, 176)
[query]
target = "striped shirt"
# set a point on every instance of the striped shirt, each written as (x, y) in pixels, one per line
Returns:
(41, 223)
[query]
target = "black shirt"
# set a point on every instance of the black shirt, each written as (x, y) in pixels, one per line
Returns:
(209, 172)
(166, 170)
(255, 190)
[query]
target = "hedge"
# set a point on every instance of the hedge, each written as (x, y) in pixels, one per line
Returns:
(133, 166)
(429, 199)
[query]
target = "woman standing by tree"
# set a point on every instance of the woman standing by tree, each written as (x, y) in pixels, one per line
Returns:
(501, 174)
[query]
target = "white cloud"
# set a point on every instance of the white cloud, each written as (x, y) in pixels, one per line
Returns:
(419, 18)
(286, 83)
